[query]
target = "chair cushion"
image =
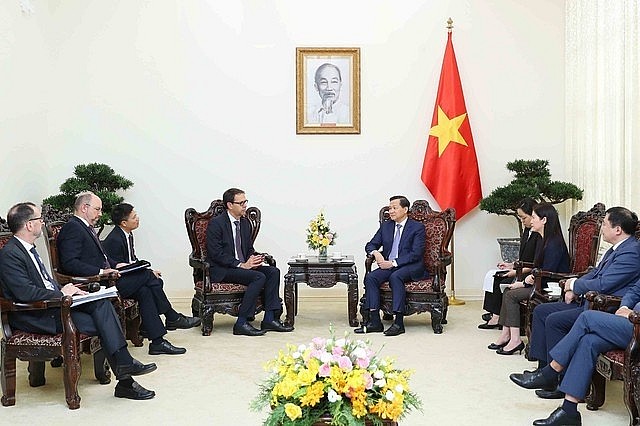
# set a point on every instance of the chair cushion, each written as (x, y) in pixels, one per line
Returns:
(127, 303)
(223, 287)
(421, 286)
(23, 338)
(616, 356)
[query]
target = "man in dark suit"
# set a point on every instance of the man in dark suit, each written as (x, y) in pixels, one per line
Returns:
(616, 272)
(233, 259)
(593, 333)
(24, 278)
(402, 259)
(82, 254)
(119, 246)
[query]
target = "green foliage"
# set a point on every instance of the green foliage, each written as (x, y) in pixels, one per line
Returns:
(98, 178)
(532, 179)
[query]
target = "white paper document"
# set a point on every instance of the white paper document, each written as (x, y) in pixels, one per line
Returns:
(103, 293)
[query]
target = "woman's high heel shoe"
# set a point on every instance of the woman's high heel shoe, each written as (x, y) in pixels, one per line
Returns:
(494, 346)
(518, 349)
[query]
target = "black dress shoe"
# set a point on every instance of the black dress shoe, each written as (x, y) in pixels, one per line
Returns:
(247, 329)
(486, 316)
(165, 348)
(135, 369)
(550, 394)
(532, 380)
(275, 325)
(369, 328)
(560, 418)
(394, 330)
(182, 322)
(487, 326)
(134, 392)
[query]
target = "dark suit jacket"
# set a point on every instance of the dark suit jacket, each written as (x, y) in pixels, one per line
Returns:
(220, 245)
(21, 282)
(555, 259)
(528, 243)
(115, 245)
(615, 273)
(410, 249)
(79, 252)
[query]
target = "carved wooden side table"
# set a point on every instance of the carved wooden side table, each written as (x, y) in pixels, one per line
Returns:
(321, 273)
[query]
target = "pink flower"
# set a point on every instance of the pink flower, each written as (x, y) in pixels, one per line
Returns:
(368, 381)
(363, 362)
(345, 363)
(318, 342)
(338, 350)
(324, 370)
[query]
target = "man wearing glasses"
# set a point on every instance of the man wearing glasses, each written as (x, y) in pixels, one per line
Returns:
(24, 278)
(81, 254)
(232, 258)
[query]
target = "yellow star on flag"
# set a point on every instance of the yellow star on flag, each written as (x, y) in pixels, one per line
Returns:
(447, 130)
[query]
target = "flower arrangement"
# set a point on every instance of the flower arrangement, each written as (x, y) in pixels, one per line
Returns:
(342, 378)
(319, 235)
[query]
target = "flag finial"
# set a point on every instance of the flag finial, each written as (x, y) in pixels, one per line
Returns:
(449, 24)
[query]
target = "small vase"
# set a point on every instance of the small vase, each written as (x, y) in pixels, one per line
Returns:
(322, 253)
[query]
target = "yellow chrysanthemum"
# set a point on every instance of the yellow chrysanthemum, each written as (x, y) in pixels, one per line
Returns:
(292, 411)
(306, 377)
(337, 379)
(314, 393)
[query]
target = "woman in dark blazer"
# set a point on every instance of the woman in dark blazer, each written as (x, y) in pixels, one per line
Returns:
(506, 274)
(552, 255)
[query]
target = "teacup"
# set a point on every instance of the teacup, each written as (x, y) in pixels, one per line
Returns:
(337, 255)
(301, 256)
(553, 285)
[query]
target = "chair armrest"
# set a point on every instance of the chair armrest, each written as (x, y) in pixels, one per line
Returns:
(368, 263)
(519, 265)
(268, 258)
(602, 302)
(198, 263)
(7, 305)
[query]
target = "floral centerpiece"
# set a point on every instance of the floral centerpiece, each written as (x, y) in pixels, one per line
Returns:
(319, 235)
(340, 378)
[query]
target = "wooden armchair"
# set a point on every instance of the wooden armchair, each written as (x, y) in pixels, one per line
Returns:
(618, 364)
(127, 309)
(426, 295)
(584, 242)
(211, 298)
(37, 348)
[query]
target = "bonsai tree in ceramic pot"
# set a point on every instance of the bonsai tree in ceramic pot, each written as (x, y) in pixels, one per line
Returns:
(98, 178)
(532, 179)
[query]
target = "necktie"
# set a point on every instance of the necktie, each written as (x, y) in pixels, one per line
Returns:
(132, 251)
(396, 242)
(238, 242)
(43, 270)
(105, 265)
(605, 259)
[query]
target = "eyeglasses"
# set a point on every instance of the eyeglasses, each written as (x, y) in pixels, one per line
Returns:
(240, 203)
(36, 218)
(98, 209)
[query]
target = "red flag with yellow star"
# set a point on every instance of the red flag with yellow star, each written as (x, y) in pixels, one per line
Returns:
(450, 168)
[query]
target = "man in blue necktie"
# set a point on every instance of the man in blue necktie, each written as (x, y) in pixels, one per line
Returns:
(403, 242)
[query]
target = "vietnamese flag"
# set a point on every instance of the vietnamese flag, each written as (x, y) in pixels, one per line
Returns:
(450, 168)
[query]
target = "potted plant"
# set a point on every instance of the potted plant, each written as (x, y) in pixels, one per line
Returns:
(532, 179)
(97, 178)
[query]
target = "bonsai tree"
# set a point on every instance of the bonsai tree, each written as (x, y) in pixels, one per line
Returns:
(95, 177)
(532, 179)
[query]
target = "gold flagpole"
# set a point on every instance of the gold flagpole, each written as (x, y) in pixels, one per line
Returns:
(452, 299)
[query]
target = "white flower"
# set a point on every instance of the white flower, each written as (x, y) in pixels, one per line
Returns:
(302, 348)
(389, 395)
(296, 355)
(326, 357)
(399, 389)
(360, 353)
(340, 342)
(379, 374)
(380, 383)
(333, 396)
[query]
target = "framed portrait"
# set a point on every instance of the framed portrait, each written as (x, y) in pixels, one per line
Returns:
(327, 90)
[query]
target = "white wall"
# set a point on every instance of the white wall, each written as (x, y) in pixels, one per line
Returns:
(188, 98)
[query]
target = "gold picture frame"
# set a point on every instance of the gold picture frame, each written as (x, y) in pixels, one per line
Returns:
(328, 90)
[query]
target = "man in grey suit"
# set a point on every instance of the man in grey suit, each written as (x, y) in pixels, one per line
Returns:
(24, 278)
(402, 259)
(575, 355)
